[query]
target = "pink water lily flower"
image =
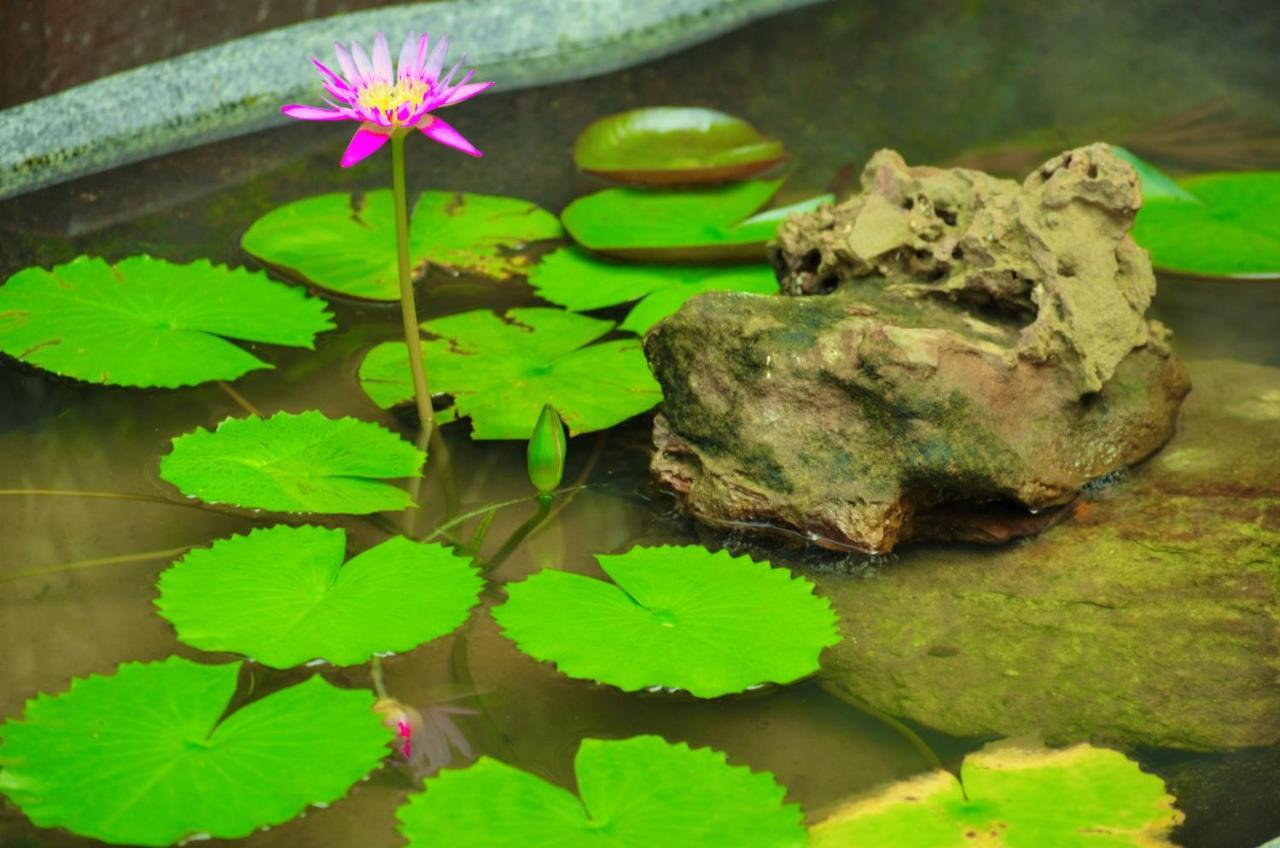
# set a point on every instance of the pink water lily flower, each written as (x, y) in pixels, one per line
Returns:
(384, 103)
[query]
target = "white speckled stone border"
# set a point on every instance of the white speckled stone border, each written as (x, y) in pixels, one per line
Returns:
(238, 86)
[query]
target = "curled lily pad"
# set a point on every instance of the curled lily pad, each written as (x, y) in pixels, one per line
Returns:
(668, 145)
(347, 244)
(1078, 797)
(1213, 225)
(294, 463)
(148, 322)
(674, 618)
(148, 756)
(579, 281)
(641, 791)
(283, 596)
(501, 370)
(698, 225)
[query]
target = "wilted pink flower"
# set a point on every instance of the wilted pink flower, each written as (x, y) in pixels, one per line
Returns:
(425, 738)
(366, 91)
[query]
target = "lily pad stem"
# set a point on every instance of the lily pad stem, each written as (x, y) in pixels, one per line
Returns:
(78, 565)
(545, 503)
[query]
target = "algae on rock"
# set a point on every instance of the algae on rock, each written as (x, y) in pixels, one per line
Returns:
(982, 353)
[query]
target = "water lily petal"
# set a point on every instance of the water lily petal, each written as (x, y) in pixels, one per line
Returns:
(448, 78)
(363, 68)
(313, 113)
(344, 61)
(437, 130)
(465, 92)
(331, 79)
(363, 144)
(420, 59)
(436, 62)
(381, 58)
(408, 50)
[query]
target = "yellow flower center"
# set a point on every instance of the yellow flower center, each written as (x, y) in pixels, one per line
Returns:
(389, 97)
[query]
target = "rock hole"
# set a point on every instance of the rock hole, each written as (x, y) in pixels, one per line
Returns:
(948, 217)
(1093, 172)
(811, 261)
(828, 284)
(1066, 268)
(957, 252)
(909, 203)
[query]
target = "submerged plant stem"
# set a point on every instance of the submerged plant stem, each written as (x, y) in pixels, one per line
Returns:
(119, 496)
(240, 400)
(408, 308)
(375, 672)
(476, 513)
(522, 532)
(81, 564)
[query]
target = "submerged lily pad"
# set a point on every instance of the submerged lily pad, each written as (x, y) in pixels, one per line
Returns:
(294, 463)
(147, 757)
(578, 281)
(1213, 225)
(675, 618)
(1077, 797)
(348, 244)
(148, 322)
(666, 145)
(695, 225)
(283, 596)
(501, 370)
(641, 791)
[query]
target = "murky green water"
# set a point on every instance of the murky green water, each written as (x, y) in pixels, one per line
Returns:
(942, 82)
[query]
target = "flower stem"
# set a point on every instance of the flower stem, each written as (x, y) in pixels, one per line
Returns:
(78, 565)
(513, 541)
(375, 672)
(408, 309)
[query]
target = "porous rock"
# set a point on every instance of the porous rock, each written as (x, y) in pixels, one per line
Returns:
(958, 356)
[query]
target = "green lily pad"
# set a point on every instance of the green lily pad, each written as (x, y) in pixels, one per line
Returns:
(501, 370)
(688, 226)
(1081, 797)
(674, 618)
(576, 280)
(294, 463)
(641, 791)
(1212, 225)
(668, 145)
(347, 244)
(147, 322)
(147, 757)
(282, 596)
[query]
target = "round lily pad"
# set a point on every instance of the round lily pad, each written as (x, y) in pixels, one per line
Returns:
(1081, 797)
(294, 463)
(347, 244)
(147, 756)
(1212, 225)
(147, 322)
(641, 791)
(283, 596)
(699, 225)
(666, 145)
(576, 280)
(501, 370)
(674, 618)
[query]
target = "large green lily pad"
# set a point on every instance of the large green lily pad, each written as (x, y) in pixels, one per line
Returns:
(1081, 797)
(294, 463)
(1213, 225)
(641, 791)
(666, 145)
(147, 756)
(686, 226)
(576, 280)
(347, 244)
(675, 618)
(148, 322)
(501, 370)
(283, 596)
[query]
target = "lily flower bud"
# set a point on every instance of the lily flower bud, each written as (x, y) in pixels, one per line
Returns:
(547, 451)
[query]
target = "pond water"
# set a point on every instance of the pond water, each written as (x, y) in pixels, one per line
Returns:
(999, 84)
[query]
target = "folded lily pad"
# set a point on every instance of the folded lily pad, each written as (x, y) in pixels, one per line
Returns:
(674, 618)
(347, 244)
(294, 463)
(1212, 225)
(669, 145)
(147, 756)
(576, 280)
(1078, 797)
(283, 596)
(697, 225)
(501, 370)
(148, 322)
(641, 791)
